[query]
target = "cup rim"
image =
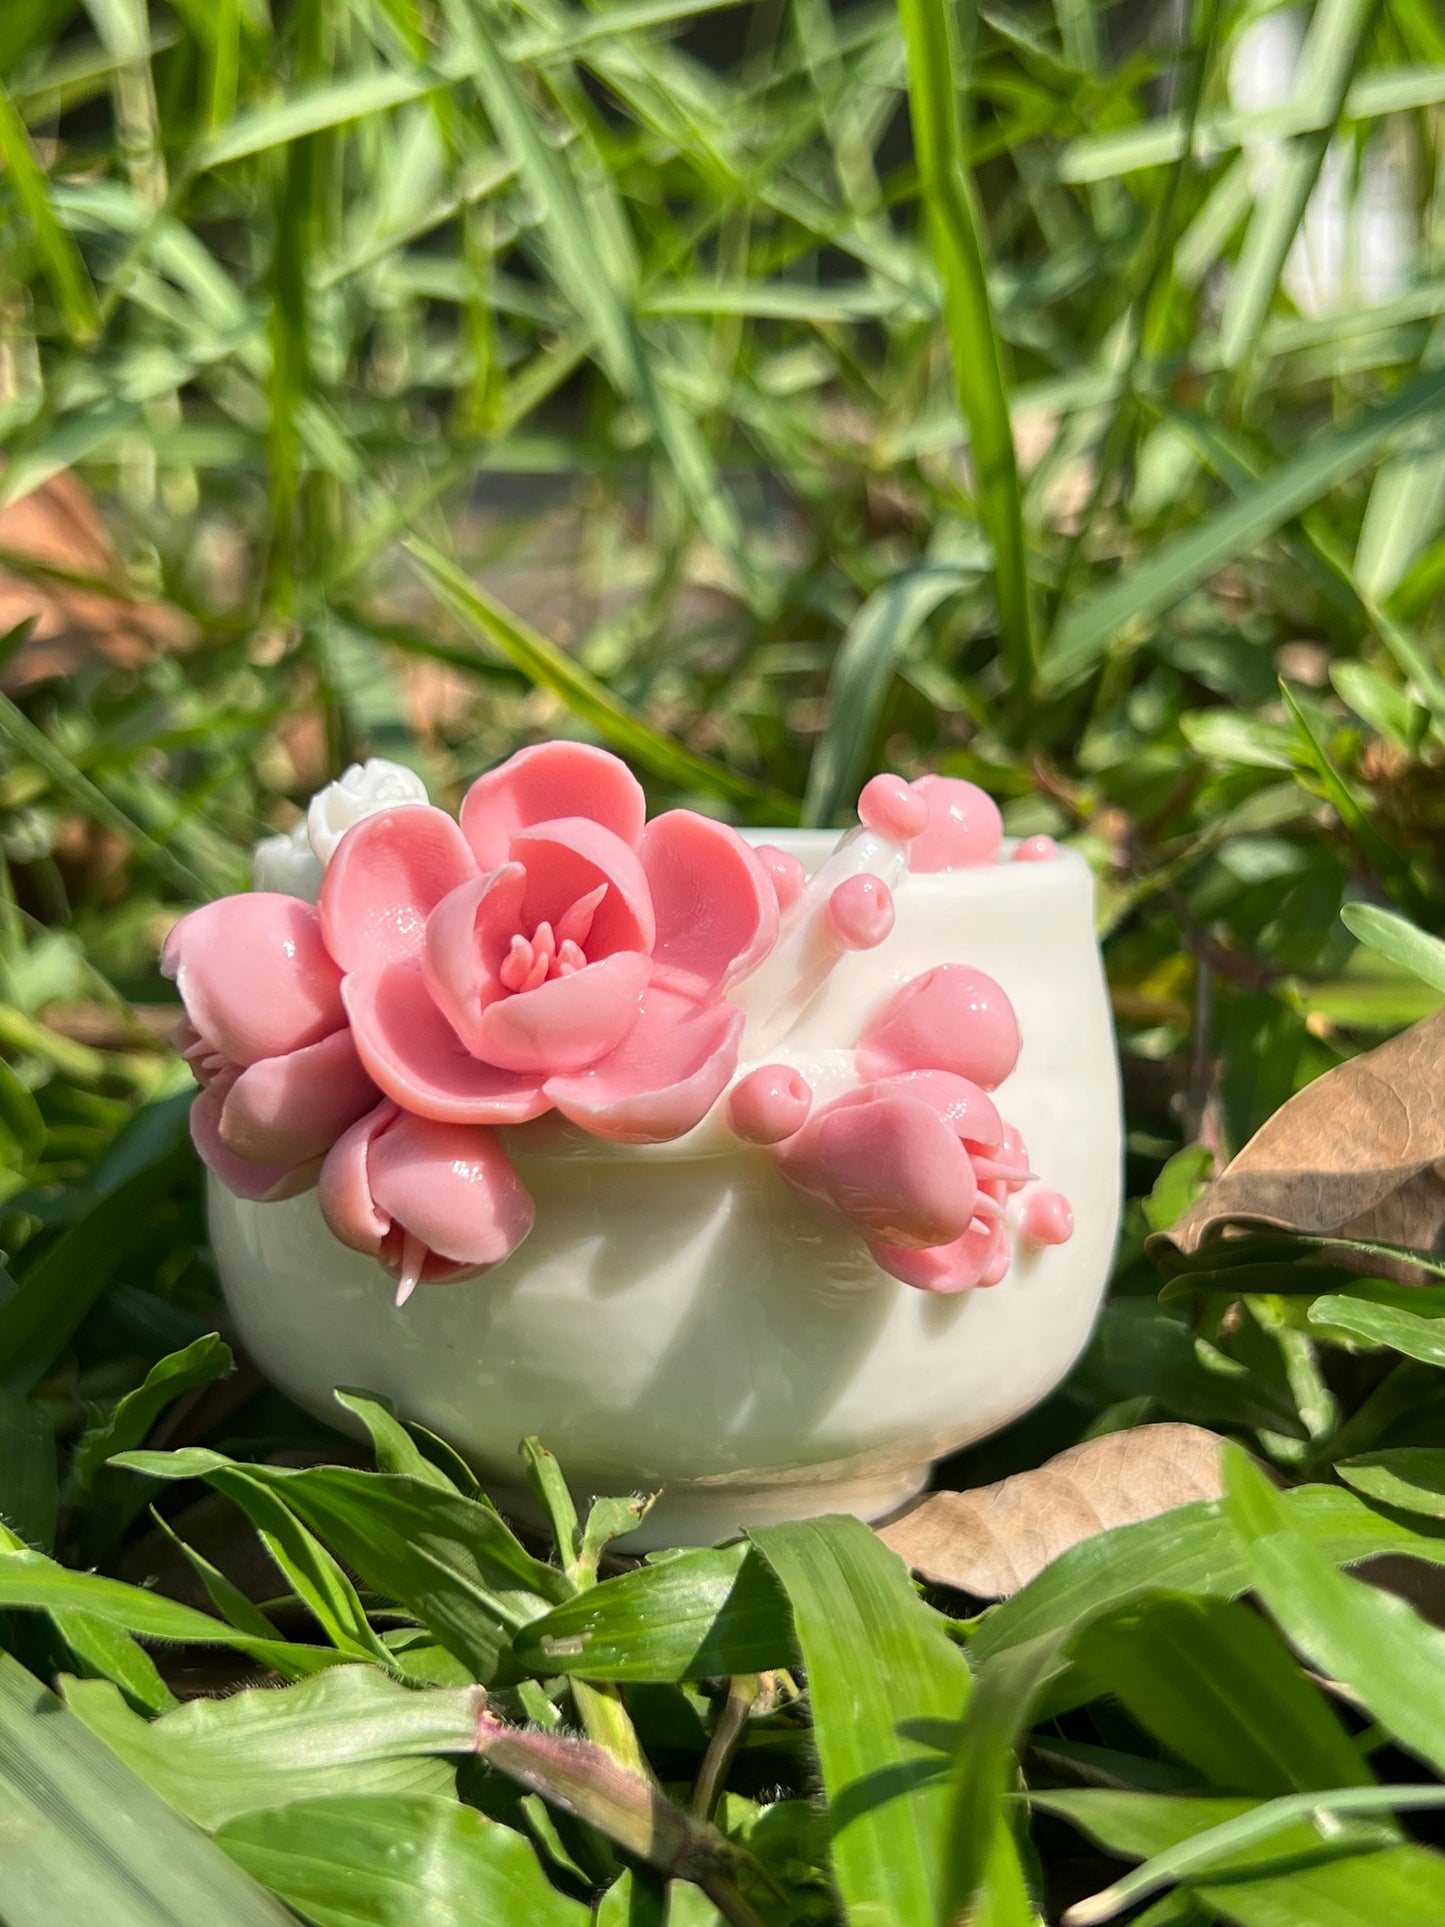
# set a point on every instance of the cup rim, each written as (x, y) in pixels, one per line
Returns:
(812, 847)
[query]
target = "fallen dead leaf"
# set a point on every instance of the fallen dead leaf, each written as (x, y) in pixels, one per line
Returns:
(59, 567)
(993, 1540)
(1360, 1153)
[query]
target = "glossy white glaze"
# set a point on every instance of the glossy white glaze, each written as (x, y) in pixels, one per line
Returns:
(676, 1321)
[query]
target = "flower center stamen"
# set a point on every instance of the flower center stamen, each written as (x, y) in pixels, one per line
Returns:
(548, 952)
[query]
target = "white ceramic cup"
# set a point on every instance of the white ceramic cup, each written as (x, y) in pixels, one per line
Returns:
(678, 1323)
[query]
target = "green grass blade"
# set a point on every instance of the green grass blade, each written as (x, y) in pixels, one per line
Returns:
(1233, 1836)
(1159, 140)
(1190, 1549)
(1411, 1477)
(57, 1289)
(1395, 937)
(587, 273)
(871, 646)
(934, 89)
(349, 1730)
(1087, 631)
(104, 1651)
(30, 1581)
(1320, 552)
(129, 1422)
(398, 1862)
(879, 1663)
(33, 744)
(1403, 1330)
(1218, 1687)
(702, 1615)
(548, 667)
(449, 1561)
(64, 269)
(395, 1448)
(107, 1653)
(317, 1579)
(314, 110)
(1000, 1709)
(29, 1489)
(1367, 1639)
(1406, 507)
(1326, 65)
(85, 1839)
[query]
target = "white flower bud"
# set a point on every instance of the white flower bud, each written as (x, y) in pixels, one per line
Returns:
(360, 791)
(287, 865)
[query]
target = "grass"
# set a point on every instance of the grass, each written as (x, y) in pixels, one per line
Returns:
(777, 394)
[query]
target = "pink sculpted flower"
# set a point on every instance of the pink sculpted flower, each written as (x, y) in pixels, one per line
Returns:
(980, 1255)
(893, 1157)
(434, 1202)
(267, 1038)
(553, 951)
(920, 1164)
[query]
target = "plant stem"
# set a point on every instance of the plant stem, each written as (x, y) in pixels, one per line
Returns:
(727, 1735)
(724, 1895)
(604, 1719)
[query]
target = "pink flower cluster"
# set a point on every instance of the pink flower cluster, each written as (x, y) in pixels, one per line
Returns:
(555, 951)
(915, 1158)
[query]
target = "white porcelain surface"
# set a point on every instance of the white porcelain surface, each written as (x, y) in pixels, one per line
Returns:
(676, 1320)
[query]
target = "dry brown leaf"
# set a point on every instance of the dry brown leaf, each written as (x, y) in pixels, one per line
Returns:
(57, 529)
(1360, 1153)
(994, 1539)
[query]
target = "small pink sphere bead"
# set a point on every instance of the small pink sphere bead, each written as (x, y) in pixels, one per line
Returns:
(769, 1104)
(1048, 1219)
(964, 826)
(860, 912)
(786, 873)
(889, 806)
(1036, 849)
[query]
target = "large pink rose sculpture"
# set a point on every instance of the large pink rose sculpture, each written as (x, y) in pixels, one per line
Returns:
(553, 951)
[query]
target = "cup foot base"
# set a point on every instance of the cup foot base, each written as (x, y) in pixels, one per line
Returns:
(702, 1515)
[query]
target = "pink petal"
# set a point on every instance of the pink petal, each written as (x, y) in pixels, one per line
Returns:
(389, 873)
(891, 1166)
(964, 826)
(567, 859)
(716, 908)
(957, 1266)
(254, 976)
(952, 1018)
(663, 1078)
(451, 1186)
(540, 784)
(286, 1110)
(568, 1023)
(968, 1111)
(417, 1059)
(467, 938)
(344, 1188)
(263, 1183)
(786, 874)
